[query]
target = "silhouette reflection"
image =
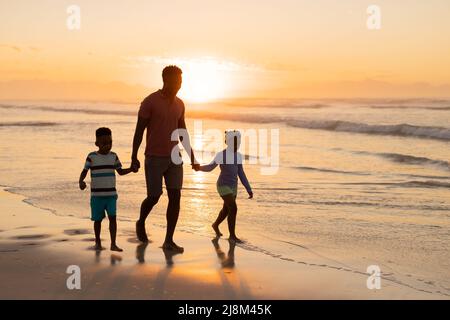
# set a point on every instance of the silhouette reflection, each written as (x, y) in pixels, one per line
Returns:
(226, 260)
(115, 259)
(140, 252)
(169, 254)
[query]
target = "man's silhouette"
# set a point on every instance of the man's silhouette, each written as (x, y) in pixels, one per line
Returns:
(161, 113)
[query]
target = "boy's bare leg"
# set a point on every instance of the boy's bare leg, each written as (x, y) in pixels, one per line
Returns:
(113, 232)
(97, 229)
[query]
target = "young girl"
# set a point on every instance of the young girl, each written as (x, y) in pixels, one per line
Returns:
(230, 161)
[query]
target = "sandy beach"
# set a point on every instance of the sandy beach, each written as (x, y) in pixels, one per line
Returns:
(36, 247)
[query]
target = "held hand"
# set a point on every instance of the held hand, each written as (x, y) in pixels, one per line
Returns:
(135, 164)
(195, 166)
(250, 195)
(82, 185)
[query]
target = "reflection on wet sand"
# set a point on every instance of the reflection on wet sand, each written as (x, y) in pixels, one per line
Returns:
(233, 285)
(227, 261)
(97, 256)
(169, 254)
(115, 259)
(161, 279)
(140, 252)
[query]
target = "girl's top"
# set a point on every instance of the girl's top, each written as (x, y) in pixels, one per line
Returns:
(230, 168)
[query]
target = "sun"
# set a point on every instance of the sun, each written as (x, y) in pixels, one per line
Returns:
(204, 79)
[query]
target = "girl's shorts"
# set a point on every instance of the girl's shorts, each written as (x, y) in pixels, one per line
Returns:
(224, 190)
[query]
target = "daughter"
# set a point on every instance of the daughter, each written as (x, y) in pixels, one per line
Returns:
(230, 161)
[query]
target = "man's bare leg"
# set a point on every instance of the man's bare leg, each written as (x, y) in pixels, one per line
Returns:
(146, 206)
(173, 211)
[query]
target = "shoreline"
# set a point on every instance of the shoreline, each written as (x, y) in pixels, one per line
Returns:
(37, 246)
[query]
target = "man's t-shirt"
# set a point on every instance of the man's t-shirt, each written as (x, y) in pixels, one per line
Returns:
(103, 168)
(163, 120)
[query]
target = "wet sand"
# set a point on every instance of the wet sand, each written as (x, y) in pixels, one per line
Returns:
(37, 247)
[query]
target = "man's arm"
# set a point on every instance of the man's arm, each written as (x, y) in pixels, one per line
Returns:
(137, 140)
(187, 143)
(81, 182)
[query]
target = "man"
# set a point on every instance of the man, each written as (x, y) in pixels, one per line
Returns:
(162, 113)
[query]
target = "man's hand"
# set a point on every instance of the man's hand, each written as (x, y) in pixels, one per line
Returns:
(250, 195)
(195, 166)
(135, 164)
(82, 185)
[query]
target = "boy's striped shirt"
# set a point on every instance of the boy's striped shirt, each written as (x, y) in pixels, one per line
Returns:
(103, 173)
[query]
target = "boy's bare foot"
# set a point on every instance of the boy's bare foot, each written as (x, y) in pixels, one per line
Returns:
(235, 239)
(172, 246)
(98, 247)
(140, 232)
(216, 229)
(114, 247)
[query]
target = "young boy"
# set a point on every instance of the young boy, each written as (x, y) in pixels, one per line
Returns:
(103, 164)
(230, 161)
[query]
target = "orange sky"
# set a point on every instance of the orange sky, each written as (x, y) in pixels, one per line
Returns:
(253, 48)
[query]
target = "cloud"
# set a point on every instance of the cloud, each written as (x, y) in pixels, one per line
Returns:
(11, 47)
(72, 90)
(212, 62)
(18, 48)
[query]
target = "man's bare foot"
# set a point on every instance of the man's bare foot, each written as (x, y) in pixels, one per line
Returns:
(173, 247)
(98, 247)
(216, 229)
(140, 232)
(235, 239)
(114, 247)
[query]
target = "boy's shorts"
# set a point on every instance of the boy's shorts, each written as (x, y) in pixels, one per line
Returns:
(224, 190)
(101, 204)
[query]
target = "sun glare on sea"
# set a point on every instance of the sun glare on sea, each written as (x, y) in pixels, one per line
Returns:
(204, 79)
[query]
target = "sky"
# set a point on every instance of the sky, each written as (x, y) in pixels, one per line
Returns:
(233, 48)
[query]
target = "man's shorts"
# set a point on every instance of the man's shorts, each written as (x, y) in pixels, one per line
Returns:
(225, 190)
(156, 168)
(101, 204)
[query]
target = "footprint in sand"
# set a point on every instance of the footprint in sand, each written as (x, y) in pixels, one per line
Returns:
(133, 240)
(9, 250)
(76, 232)
(32, 237)
(92, 239)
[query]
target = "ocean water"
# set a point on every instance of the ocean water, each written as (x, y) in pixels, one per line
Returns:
(359, 182)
